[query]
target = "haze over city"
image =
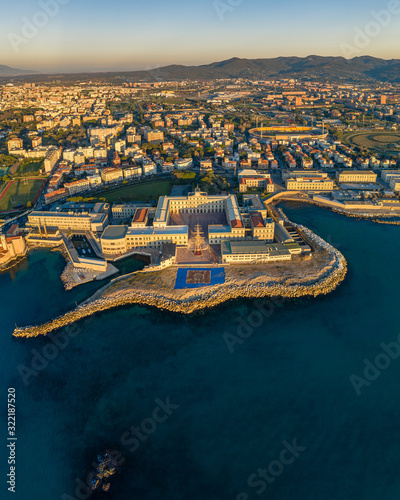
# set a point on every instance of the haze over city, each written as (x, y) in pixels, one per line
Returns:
(125, 35)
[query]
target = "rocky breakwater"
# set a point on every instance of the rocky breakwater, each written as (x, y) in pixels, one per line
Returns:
(374, 216)
(258, 286)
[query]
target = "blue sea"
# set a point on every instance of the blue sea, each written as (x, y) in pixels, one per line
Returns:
(288, 400)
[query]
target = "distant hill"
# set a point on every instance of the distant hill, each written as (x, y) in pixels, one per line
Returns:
(7, 71)
(358, 69)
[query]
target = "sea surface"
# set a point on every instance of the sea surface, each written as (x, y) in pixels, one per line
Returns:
(214, 399)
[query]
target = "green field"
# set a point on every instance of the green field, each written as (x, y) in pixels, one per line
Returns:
(380, 141)
(30, 166)
(20, 192)
(148, 191)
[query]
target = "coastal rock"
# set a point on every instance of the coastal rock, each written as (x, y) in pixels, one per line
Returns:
(327, 280)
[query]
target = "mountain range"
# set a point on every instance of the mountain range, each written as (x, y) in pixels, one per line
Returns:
(7, 71)
(365, 68)
(359, 68)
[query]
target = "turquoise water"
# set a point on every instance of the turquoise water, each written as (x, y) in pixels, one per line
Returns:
(231, 412)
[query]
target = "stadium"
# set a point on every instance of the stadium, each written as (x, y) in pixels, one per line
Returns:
(285, 133)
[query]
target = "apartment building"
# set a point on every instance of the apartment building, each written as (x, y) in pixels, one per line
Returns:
(14, 144)
(55, 195)
(77, 186)
(110, 174)
(153, 135)
(132, 172)
(52, 156)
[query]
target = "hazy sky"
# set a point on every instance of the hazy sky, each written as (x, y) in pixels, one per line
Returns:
(129, 35)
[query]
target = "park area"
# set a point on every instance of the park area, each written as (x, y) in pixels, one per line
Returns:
(6, 162)
(29, 166)
(382, 142)
(20, 192)
(145, 192)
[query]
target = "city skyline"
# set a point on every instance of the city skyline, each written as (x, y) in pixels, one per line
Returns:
(63, 36)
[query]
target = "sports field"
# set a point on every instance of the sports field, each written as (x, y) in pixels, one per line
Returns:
(20, 192)
(381, 141)
(196, 278)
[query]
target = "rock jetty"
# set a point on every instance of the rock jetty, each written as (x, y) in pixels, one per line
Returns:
(259, 285)
(376, 216)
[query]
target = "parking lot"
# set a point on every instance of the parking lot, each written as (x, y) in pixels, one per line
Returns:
(83, 247)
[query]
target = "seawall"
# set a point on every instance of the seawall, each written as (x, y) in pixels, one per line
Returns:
(202, 298)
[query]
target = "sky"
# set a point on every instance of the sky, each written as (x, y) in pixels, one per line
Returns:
(96, 35)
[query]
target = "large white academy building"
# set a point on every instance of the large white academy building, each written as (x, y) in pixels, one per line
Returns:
(119, 239)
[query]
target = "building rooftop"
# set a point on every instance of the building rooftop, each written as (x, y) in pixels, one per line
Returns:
(257, 220)
(253, 201)
(140, 215)
(231, 247)
(171, 230)
(137, 231)
(219, 229)
(253, 247)
(357, 172)
(114, 232)
(99, 218)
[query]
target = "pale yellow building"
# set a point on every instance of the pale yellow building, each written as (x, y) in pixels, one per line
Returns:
(111, 174)
(153, 135)
(309, 184)
(356, 176)
(11, 248)
(252, 179)
(262, 229)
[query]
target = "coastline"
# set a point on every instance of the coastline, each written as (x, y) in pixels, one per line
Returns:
(14, 261)
(373, 217)
(151, 288)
